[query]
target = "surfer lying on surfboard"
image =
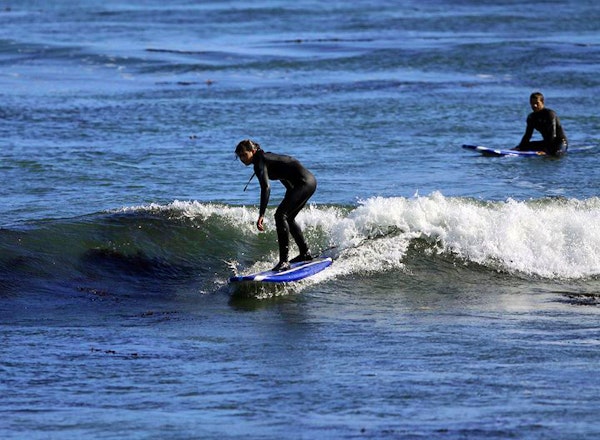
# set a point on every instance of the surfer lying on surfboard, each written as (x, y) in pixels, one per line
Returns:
(547, 123)
(300, 185)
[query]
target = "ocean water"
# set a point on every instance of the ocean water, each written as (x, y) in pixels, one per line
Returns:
(464, 299)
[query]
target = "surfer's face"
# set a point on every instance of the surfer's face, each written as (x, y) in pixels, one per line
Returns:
(246, 156)
(536, 104)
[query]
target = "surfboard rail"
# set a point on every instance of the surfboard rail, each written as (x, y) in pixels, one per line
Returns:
(486, 151)
(297, 271)
(498, 152)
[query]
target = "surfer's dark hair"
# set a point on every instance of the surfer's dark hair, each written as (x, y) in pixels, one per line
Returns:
(246, 145)
(536, 95)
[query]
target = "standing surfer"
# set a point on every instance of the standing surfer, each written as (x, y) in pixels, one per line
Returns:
(300, 185)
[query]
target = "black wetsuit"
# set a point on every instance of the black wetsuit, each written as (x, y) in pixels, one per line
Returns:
(300, 185)
(547, 123)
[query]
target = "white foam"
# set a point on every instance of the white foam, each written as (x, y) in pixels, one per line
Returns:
(553, 238)
(548, 238)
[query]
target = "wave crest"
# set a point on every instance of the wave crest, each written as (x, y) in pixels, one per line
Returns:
(550, 238)
(196, 245)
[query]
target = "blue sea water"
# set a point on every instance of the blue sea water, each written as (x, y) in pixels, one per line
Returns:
(464, 297)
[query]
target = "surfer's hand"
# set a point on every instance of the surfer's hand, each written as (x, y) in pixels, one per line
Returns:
(259, 223)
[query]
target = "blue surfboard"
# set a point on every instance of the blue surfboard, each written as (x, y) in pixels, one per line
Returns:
(499, 152)
(502, 152)
(298, 271)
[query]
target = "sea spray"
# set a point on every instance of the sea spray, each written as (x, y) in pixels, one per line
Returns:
(195, 245)
(550, 238)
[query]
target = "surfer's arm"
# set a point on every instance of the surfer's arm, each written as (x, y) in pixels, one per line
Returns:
(528, 133)
(265, 194)
(260, 169)
(553, 123)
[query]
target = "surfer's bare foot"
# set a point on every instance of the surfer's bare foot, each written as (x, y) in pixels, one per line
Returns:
(282, 265)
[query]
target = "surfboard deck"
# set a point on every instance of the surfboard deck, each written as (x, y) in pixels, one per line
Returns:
(298, 271)
(500, 152)
(486, 151)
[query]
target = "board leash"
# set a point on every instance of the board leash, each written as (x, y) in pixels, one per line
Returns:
(251, 177)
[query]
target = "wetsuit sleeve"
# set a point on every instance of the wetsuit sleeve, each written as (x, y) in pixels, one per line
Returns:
(553, 122)
(260, 168)
(528, 132)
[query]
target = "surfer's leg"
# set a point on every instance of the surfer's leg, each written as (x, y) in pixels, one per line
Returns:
(285, 220)
(297, 201)
(283, 231)
(298, 236)
(533, 146)
(557, 148)
(296, 231)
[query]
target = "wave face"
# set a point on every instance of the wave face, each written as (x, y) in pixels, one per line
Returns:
(190, 247)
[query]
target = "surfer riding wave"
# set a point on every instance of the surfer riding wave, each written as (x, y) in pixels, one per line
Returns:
(300, 185)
